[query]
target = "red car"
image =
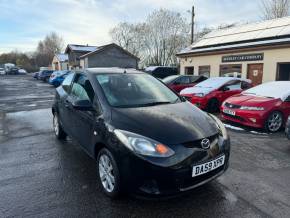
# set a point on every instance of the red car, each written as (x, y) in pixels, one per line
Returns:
(211, 93)
(264, 106)
(180, 82)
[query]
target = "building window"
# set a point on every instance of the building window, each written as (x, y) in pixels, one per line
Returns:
(204, 71)
(231, 70)
(189, 70)
(283, 73)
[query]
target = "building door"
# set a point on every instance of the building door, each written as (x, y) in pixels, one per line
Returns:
(255, 73)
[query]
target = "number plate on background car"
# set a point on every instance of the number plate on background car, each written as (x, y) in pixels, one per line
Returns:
(230, 112)
(207, 167)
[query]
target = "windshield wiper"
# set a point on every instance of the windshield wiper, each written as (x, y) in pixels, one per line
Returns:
(155, 103)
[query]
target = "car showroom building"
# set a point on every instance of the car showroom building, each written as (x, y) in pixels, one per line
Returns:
(257, 51)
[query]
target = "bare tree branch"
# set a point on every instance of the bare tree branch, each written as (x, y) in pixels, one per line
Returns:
(272, 9)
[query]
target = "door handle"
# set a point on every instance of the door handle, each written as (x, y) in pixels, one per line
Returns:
(67, 103)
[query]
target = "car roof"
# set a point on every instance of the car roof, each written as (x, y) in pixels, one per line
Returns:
(111, 70)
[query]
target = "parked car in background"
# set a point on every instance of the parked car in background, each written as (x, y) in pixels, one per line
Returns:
(44, 75)
(22, 72)
(2, 71)
(264, 106)
(161, 72)
(35, 75)
(12, 71)
(180, 82)
(211, 93)
(144, 137)
(57, 77)
(287, 129)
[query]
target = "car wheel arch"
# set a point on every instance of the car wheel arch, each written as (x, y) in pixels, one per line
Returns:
(97, 148)
(271, 112)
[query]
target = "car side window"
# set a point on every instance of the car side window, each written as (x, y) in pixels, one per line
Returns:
(185, 80)
(234, 85)
(82, 89)
(245, 85)
(66, 84)
(177, 81)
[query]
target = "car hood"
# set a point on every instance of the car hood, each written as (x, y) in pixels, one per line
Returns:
(195, 90)
(169, 124)
(250, 100)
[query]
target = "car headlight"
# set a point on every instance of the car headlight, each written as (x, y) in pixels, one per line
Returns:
(220, 126)
(143, 145)
(252, 108)
(199, 94)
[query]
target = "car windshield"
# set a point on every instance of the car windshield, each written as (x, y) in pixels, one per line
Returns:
(170, 79)
(214, 82)
(280, 89)
(135, 90)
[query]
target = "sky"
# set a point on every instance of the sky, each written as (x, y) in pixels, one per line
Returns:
(24, 22)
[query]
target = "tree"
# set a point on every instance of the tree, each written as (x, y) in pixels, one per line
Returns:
(157, 40)
(46, 49)
(272, 9)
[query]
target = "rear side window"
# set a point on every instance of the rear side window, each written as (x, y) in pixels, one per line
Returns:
(66, 84)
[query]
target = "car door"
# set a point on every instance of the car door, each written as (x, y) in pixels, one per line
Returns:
(181, 83)
(85, 123)
(64, 107)
(230, 89)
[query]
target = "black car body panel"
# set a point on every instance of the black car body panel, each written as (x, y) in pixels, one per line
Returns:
(161, 71)
(287, 128)
(180, 126)
(172, 123)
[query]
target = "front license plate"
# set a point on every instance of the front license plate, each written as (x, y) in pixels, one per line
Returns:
(230, 112)
(207, 167)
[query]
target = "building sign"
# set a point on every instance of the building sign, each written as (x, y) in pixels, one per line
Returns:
(240, 58)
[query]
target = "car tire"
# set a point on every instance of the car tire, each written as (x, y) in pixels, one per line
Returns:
(108, 174)
(212, 106)
(274, 122)
(58, 130)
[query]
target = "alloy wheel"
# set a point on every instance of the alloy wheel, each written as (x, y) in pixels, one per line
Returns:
(275, 122)
(106, 173)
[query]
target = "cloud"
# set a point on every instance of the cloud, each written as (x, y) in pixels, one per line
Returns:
(24, 23)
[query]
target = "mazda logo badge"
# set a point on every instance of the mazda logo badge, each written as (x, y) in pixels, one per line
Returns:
(205, 143)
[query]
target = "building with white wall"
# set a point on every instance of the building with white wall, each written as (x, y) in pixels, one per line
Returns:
(258, 51)
(60, 62)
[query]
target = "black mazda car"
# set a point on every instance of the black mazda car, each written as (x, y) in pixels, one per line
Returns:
(145, 138)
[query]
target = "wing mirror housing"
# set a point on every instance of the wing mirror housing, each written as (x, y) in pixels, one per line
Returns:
(225, 88)
(83, 105)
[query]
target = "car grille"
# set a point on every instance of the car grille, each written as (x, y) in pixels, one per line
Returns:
(234, 117)
(197, 144)
(232, 106)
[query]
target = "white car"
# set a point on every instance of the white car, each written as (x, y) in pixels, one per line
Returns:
(2, 71)
(22, 71)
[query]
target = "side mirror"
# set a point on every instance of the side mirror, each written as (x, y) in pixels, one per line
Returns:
(225, 88)
(83, 105)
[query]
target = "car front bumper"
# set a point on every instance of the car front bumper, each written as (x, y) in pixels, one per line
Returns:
(254, 119)
(146, 178)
